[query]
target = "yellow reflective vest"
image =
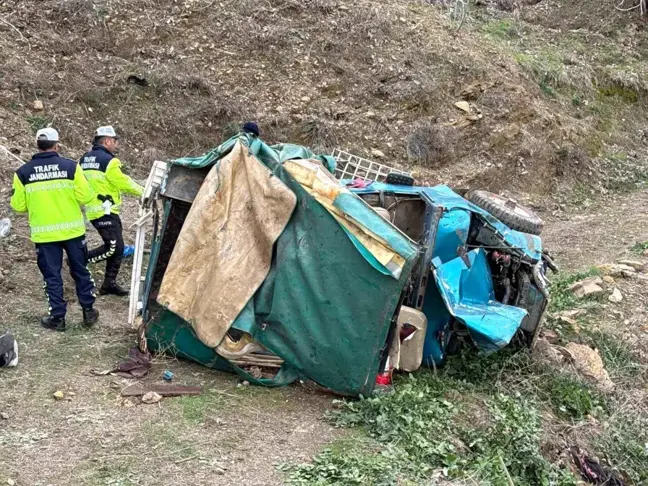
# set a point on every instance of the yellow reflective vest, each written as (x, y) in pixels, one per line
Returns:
(103, 171)
(51, 189)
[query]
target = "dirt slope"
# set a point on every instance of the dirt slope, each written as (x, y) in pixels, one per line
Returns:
(557, 106)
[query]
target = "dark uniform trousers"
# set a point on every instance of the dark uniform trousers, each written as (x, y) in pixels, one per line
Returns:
(110, 230)
(50, 263)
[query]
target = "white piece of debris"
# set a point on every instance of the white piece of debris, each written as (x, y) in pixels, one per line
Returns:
(377, 153)
(572, 314)
(589, 286)
(615, 296)
(38, 105)
(151, 397)
(5, 227)
(463, 106)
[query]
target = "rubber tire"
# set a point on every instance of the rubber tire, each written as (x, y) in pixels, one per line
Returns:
(399, 179)
(529, 222)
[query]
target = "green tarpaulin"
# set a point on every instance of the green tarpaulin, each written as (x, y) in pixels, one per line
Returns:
(323, 308)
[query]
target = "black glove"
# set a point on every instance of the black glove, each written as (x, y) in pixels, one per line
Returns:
(103, 198)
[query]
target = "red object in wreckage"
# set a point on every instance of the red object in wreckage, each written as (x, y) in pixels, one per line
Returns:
(384, 378)
(501, 257)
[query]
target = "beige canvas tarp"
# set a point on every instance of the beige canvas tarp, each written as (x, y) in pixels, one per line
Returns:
(321, 184)
(226, 244)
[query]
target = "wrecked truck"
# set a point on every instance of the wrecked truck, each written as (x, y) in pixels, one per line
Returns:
(262, 263)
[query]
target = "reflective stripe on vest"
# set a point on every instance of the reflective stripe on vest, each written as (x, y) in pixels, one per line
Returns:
(57, 227)
(49, 186)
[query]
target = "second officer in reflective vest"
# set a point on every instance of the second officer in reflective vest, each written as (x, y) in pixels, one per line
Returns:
(103, 171)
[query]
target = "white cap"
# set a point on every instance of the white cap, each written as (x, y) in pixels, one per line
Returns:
(108, 131)
(48, 134)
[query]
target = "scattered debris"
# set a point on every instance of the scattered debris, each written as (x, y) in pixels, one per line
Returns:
(255, 372)
(593, 471)
(571, 314)
(547, 352)
(185, 459)
(5, 227)
(463, 106)
(568, 320)
(8, 351)
(4, 416)
(589, 286)
(609, 280)
(636, 265)
(377, 153)
(588, 362)
(151, 397)
(550, 336)
(616, 296)
(137, 365)
(473, 91)
(167, 375)
(38, 105)
(11, 482)
(59, 395)
(472, 115)
(162, 390)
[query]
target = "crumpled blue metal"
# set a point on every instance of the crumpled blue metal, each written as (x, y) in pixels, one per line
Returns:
(529, 245)
(466, 291)
(466, 287)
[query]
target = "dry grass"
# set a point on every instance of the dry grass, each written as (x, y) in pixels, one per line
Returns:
(309, 72)
(96, 439)
(432, 144)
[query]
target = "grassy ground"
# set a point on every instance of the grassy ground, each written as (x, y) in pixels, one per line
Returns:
(514, 416)
(509, 418)
(95, 437)
(478, 420)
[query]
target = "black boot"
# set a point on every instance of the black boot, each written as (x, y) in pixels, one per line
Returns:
(53, 323)
(90, 316)
(113, 288)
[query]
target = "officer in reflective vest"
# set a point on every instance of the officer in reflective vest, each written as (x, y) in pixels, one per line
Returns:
(103, 171)
(51, 189)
